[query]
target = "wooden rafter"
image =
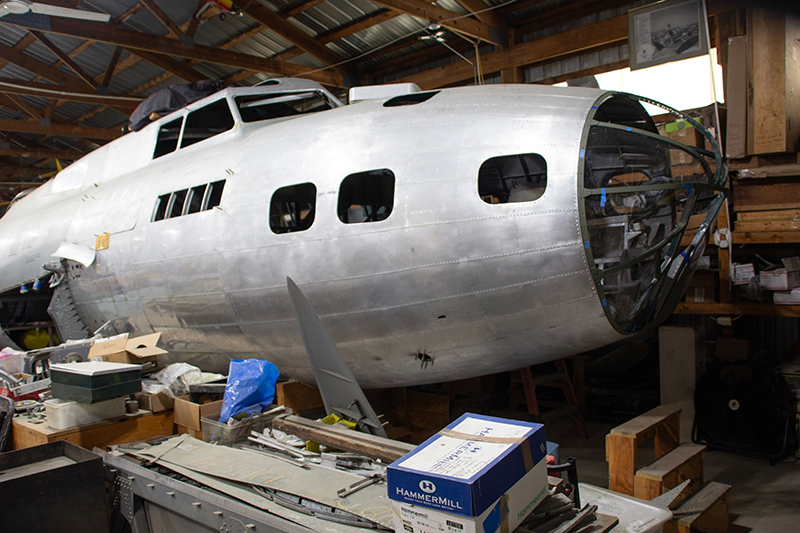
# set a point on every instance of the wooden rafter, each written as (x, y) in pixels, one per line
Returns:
(449, 19)
(484, 14)
(112, 64)
(29, 126)
(582, 38)
(66, 59)
(172, 28)
(48, 90)
(41, 153)
(289, 31)
(97, 31)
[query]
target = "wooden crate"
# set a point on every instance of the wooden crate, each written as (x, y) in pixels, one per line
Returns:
(774, 109)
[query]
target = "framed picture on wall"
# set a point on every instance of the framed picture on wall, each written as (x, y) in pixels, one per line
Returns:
(666, 31)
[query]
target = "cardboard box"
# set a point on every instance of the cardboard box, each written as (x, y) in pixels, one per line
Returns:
(476, 475)
(121, 349)
(743, 273)
(702, 287)
(188, 413)
(679, 157)
(196, 433)
(782, 279)
(791, 297)
(154, 402)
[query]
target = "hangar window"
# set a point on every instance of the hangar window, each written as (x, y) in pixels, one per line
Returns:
(168, 135)
(176, 208)
(292, 208)
(366, 196)
(512, 178)
(161, 207)
(207, 122)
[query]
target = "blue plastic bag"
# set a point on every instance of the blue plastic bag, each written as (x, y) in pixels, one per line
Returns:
(250, 388)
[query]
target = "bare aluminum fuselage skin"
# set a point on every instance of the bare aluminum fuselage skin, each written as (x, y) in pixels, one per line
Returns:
(479, 288)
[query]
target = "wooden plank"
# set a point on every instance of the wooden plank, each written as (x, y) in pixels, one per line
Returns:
(768, 225)
(762, 216)
(773, 193)
(724, 256)
(736, 97)
(643, 426)
(775, 74)
(770, 171)
(297, 396)
(353, 441)
(761, 237)
(674, 460)
(706, 511)
(682, 463)
(621, 458)
(42, 153)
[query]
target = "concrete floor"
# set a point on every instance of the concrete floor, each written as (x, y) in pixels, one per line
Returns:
(764, 498)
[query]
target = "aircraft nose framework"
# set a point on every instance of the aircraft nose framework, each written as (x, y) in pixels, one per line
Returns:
(638, 191)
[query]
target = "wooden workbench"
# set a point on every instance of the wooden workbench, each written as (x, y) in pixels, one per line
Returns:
(142, 425)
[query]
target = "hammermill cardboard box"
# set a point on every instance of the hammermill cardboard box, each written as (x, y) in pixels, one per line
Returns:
(478, 475)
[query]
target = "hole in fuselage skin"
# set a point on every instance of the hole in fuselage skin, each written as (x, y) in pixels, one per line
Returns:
(424, 359)
(441, 317)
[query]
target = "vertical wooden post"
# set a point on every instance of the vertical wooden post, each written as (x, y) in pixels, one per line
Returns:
(621, 457)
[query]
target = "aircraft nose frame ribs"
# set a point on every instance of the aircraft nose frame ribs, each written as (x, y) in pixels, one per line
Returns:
(638, 193)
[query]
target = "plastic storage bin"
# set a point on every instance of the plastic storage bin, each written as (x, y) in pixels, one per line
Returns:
(64, 414)
(635, 515)
(226, 434)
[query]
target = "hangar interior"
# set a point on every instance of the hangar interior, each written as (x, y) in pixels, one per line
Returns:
(654, 343)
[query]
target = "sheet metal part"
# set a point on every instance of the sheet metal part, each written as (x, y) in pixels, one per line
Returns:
(336, 383)
(316, 484)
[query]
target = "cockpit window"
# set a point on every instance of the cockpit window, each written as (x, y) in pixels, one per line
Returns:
(254, 108)
(512, 178)
(207, 122)
(168, 135)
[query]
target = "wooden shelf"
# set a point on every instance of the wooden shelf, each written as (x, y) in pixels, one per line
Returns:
(738, 308)
(765, 237)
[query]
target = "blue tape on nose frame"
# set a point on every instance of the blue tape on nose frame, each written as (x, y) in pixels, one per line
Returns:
(603, 197)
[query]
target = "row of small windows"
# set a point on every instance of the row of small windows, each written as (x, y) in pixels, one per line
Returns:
(365, 196)
(188, 201)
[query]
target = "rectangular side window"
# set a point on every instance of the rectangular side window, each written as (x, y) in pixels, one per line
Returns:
(214, 194)
(366, 196)
(292, 208)
(196, 195)
(512, 178)
(168, 137)
(176, 207)
(206, 122)
(161, 207)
